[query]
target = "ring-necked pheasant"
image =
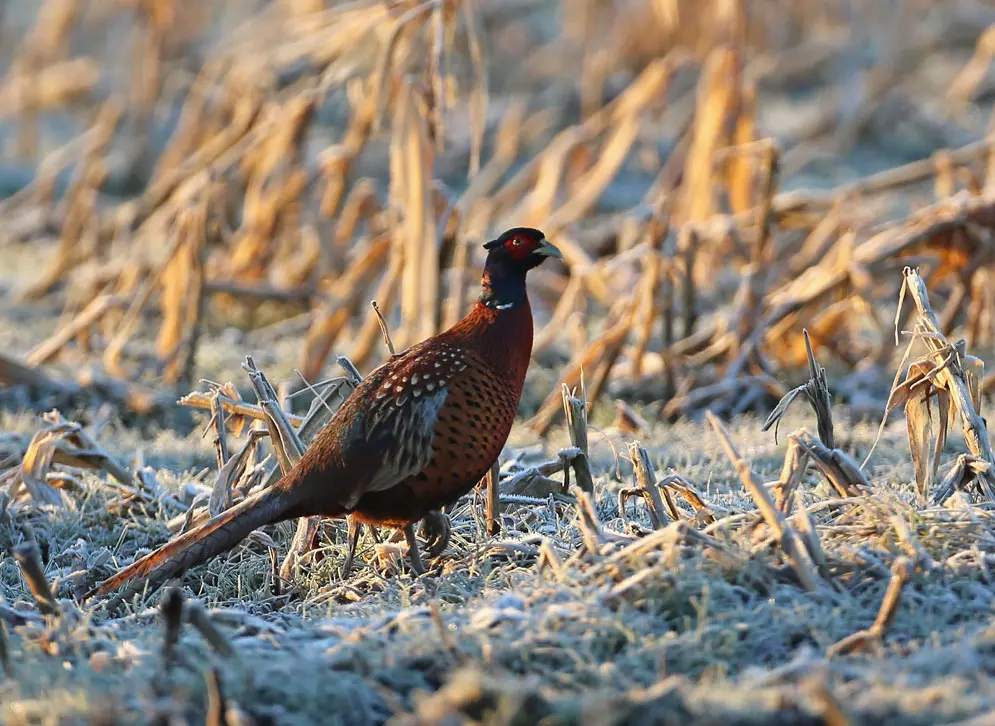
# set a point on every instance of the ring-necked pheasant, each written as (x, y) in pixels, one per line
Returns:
(418, 433)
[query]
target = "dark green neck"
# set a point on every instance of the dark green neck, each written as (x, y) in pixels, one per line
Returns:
(500, 292)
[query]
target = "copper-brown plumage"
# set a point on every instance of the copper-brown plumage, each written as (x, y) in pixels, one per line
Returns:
(418, 433)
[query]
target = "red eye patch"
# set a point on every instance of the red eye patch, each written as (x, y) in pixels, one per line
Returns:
(518, 247)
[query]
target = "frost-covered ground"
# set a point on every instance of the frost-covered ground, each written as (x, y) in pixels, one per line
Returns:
(525, 625)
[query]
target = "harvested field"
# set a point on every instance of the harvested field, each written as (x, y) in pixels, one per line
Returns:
(751, 480)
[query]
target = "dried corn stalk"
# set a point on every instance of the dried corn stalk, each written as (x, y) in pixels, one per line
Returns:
(946, 380)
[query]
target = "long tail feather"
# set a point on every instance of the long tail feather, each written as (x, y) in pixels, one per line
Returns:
(215, 536)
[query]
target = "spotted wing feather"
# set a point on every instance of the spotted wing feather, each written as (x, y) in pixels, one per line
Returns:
(403, 405)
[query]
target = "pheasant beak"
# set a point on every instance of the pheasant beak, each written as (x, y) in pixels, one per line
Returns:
(547, 249)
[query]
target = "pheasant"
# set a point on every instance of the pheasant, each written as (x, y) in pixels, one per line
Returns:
(417, 434)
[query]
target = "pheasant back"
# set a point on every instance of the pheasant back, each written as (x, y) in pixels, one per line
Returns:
(436, 417)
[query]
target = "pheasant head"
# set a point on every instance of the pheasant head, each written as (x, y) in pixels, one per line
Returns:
(509, 258)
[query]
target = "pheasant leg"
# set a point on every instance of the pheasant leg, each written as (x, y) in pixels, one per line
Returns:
(355, 529)
(413, 555)
(436, 528)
